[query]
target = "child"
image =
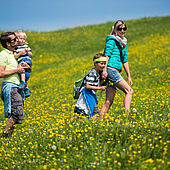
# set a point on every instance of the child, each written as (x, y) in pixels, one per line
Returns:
(87, 101)
(23, 53)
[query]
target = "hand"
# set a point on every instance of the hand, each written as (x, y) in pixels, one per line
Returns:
(102, 87)
(24, 65)
(130, 81)
(24, 51)
(20, 69)
(104, 74)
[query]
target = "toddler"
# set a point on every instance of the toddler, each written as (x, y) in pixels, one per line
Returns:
(23, 53)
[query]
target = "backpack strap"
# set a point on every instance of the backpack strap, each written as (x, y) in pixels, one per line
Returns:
(85, 77)
(119, 47)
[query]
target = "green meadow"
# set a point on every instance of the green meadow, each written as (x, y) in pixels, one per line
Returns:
(139, 140)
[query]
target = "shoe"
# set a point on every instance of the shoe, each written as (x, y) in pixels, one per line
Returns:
(5, 135)
(27, 92)
(22, 85)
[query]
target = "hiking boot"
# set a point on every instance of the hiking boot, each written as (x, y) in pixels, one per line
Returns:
(22, 85)
(27, 92)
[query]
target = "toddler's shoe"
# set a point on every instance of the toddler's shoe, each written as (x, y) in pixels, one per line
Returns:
(27, 92)
(22, 85)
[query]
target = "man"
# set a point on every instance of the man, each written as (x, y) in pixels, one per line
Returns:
(10, 94)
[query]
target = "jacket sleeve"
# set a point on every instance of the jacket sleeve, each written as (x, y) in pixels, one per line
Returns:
(109, 45)
(124, 54)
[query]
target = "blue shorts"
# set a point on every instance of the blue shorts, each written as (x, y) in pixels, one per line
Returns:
(29, 62)
(113, 77)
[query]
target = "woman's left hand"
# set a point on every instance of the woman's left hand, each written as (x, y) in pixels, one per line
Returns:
(130, 81)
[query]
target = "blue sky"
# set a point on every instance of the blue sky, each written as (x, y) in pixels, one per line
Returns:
(49, 15)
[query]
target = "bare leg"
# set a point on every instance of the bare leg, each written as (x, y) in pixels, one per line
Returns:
(27, 84)
(23, 77)
(94, 117)
(124, 86)
(110, 94)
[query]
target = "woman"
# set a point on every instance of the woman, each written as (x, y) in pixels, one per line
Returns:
(116, 53)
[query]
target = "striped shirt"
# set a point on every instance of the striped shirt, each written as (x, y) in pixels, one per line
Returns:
(92, 78)
(22, 56)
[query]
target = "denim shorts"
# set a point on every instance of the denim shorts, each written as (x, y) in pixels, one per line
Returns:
(113, 77)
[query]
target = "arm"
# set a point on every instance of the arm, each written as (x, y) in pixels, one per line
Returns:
(6, 73)
(28, 50)
(20, 70)
(126, 67)
(104, 73)
(17, 55)
(90, 87)
(30, 54)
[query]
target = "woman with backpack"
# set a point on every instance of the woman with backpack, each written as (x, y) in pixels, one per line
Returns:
(116, 54)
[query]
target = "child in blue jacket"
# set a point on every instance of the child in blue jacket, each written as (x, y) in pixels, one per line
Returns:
(87, 101)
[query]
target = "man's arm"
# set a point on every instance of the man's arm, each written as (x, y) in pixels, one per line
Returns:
(6, 73)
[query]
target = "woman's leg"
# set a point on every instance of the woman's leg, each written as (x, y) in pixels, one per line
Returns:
(110, 94)
(124, 86)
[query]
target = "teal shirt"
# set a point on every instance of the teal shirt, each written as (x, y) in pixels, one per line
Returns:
(113, 52)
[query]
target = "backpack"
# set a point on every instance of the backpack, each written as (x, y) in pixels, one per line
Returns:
(78, 86)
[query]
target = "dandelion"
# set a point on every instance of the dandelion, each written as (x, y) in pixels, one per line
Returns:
(149, 160)
(134, 110)
(54, 147)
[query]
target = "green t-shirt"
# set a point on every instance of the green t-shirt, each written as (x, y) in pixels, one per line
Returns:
(7, 59)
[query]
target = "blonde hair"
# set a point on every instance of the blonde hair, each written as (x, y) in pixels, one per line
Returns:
(116, 25)
(19, 32)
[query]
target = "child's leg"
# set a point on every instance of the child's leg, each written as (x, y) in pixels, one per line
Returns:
(23, 77)
(27, 90)
(95, 112)
(22, 85)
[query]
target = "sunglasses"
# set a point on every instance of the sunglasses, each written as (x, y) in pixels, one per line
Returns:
(14, 39)
(120, 29)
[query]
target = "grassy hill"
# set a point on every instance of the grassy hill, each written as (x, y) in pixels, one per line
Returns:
(139, 140)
